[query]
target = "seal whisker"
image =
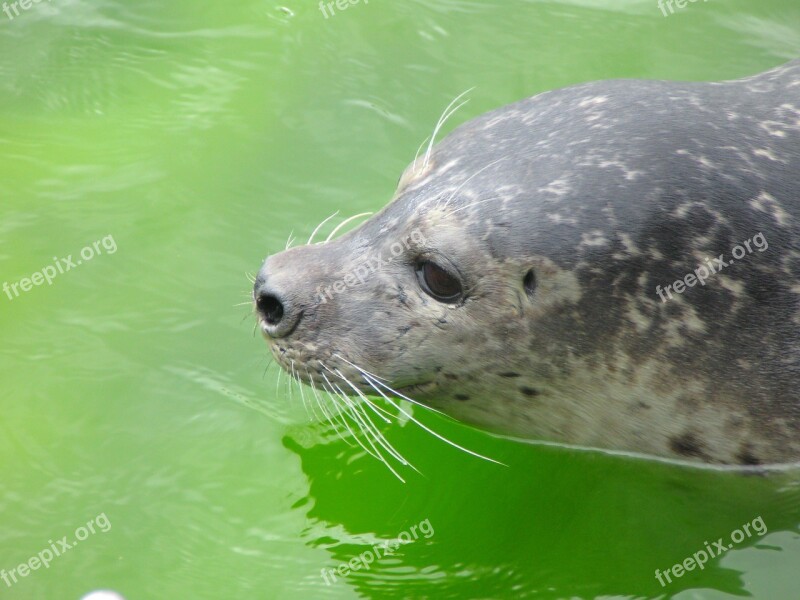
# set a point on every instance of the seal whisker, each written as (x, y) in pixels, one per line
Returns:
(278, 389)
(341, 376)
(345, 222)
(379, 437)
(291, 382)
(458, 189)
(318, 227)
(331, 417)
(339, 398)
(433, 200)
(439, 125)
(302, 394)
(379, 381)
(251, 277)
(340, 357)
(278, 383)
(471, 205)
(288, 386)
(448, 112)
(287, 394)
(328, 418)
(337, 412)
(416, 156)
(269, 364)
(334, 424)
(338, 408)
(375, 453)
(400, 458)
(290, 241)
(331, 396)
(376, 433)
(432, 432)
(382, 440)
(368, 427)
(375, 408)
(352, 408)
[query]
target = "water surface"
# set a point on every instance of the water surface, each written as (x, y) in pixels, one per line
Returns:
(199, 135)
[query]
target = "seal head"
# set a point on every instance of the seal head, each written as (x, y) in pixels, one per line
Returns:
(613, 265)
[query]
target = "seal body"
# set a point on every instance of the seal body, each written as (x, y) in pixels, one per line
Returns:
(628, 259)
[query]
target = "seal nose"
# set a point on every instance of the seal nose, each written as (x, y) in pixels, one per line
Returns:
(275, 309)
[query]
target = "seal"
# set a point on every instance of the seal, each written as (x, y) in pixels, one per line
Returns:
(613, 265)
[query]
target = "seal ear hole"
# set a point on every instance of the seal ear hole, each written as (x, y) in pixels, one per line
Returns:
(529, 283)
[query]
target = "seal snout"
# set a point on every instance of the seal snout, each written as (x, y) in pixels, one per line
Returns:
(284, 290)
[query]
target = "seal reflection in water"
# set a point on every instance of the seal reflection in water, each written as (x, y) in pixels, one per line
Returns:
(540, 276)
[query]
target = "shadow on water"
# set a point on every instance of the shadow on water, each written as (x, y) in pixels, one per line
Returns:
(554, 523)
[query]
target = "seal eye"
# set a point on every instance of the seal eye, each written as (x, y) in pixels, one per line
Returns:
(438, 282)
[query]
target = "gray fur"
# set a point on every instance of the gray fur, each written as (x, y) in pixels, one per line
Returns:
(606, 190)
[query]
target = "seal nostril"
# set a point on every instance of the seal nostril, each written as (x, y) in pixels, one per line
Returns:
(529, 282)
(270, 308)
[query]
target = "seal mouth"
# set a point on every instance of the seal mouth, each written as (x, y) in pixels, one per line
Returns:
(307, 367)
(335, 380)
(418, 389)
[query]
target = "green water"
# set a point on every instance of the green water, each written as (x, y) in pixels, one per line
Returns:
(196, 136)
